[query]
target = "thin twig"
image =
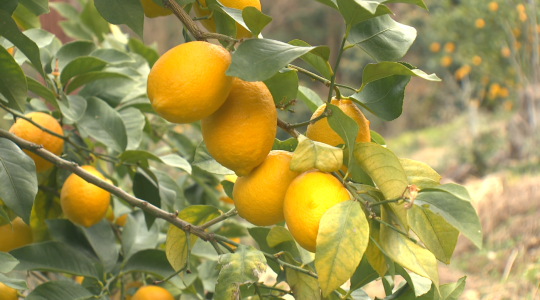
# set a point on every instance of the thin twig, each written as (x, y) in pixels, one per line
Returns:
(231, 213)
(287, 127)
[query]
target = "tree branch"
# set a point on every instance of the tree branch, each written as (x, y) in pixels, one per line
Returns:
(287, 127)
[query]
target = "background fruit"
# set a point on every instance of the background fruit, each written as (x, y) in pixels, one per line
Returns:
(259, 196)
(21, 235)
(224, 197)
(320, 131)
(308, 197)
(210, 24)
(153, 10)
(83, 203)
(152, 292)
(188, 82)
(240, 134)
(29, 132)
(121, 221)
(7, 293)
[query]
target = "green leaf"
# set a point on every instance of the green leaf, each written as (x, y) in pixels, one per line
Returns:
(151, 261)
(453, 203)
(92, 76)
(278, 235)
(304, 287)
(103, 241)
(72, 107)
(420, 285)
(310, 154)
(341, 242)
(363, 275)
(255, 20)
(139, 157)
(9, 30)
(37, 7)
(54, 257)
(176, 245)
(260, 234)
(374, 254)
(60, 290)
(136, 236)
(331, 3)
(406, 253)
(382, 38)
(62, 230)
(13, 283)
(345, 127)
(420, 174)
(384, 97)
(356, 11)
(147, 189)
(384, 168)
(373, 72)
(434, 232)
(71, 51)
(283, 86)
(134, 121)
(260, 59)
(18, 179)
(225, 18)
(318, 62)
(228, 188)
(25, 19)
(377, 138)
(176, 161)
(41, 90)
(75, 29)
(309, 97)
(9, 5)
(243, 266)
(286, 145)
(112, 56)
(65, 10)
(452, 291)
(148, 53)
(80, 66)
(419, 3)
(128, 12)
(12, 81)
(92, 19)
(205, 162)
(7, 262)
(104, 124)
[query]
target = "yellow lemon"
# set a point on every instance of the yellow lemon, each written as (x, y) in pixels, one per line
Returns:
(152, 292)
(259, 196)
(308, 197)
(16, 237)
(476, 60)
(479, 23)
(7, 293)
(224, 197)
(121, 221)
(10, 50)
(188, 82)
(493, 6)
(83, 203)
(240, 134)
(153, 10)
(435, 47)
(505, 52)
(449, 47)
(320, 131)
(31, 133)
(210, 24)
(446, 61)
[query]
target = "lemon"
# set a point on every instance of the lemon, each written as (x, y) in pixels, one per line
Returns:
(308, 197)
(84, 203)
(449, 47)
(10, 50)
(120, 221)
(435, 47)
(320, 131)
(259, 196)
(153, 10)
(19, 236)
(479, 23)
(7, 293)
(446, 61)
(493, 6)
(224, 197)
(31, 133)
(240, 134)
(188, 82)
(152, 292)
(210, 24)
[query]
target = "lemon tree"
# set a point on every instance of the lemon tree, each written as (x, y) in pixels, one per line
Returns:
(184, 191)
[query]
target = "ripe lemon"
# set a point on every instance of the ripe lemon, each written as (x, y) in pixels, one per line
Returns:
(259, 196)
(308, 197)
(479, 23)
(31, 133)
(446, 61)
(240, 134)
(121, 221)
(7, 293)
(210, 24)
(224, 197)
(10, 50)
(320, 131)
(493, 6)
(83, 203)
(153, 10)
(19, 236)
(188, 82)
(449, 47)
(435, 47)
(152, 292)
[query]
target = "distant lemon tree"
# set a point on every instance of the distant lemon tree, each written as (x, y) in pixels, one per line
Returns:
(126, 175)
